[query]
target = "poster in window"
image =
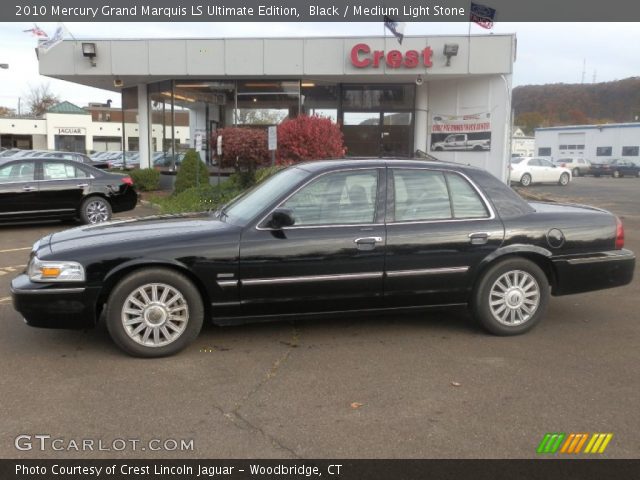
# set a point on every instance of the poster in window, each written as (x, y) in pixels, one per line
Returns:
(461, 133)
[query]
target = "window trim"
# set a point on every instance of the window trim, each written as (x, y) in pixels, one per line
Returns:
(483, 198)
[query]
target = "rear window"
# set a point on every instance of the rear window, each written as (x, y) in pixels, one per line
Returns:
(516, 160)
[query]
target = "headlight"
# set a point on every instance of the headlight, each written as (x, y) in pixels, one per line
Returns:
(52, 271)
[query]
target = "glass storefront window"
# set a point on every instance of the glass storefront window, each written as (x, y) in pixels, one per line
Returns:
(377, 97)
(266, 102)
(321, 99)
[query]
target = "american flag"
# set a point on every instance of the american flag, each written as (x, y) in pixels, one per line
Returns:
(36, 31)
(482, 15)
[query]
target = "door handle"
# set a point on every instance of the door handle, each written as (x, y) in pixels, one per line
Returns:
(82, 185)
(367, 243)
(366, 240)
(479, 238)
(28, 188)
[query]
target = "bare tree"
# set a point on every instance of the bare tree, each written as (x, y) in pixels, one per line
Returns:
(6, 111)
(40, 99)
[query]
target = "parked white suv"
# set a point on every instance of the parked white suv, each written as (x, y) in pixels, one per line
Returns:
(579, 166)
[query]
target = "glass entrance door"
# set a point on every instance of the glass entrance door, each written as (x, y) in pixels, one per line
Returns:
(378, 134)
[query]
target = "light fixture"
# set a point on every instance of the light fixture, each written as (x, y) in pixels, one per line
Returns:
(307, 84)
(450, 50)
(89, 51)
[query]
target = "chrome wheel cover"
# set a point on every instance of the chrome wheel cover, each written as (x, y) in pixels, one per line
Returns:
(525, 180)
(514, 298)
(564, 179)
(155, 315)
(97, 211)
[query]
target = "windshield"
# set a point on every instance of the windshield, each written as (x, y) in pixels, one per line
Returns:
(250, 203)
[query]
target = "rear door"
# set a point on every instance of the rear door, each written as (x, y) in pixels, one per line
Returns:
(63, 185)
(18, 190)
(439, 228)
(548, 171)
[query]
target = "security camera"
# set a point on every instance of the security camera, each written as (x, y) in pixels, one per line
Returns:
(118, 83)
(419, 80)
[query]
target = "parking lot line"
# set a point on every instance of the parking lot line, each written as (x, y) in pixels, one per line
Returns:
(15, 249)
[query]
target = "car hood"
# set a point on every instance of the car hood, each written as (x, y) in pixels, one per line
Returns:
(151, 230)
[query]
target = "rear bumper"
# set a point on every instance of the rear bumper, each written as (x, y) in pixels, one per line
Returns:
(54, 306)
(125, 201)
(577, 274)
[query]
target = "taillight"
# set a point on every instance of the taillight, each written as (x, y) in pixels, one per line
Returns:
(127, 180)
(619, 234)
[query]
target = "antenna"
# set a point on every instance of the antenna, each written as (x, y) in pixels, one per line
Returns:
(584, 67)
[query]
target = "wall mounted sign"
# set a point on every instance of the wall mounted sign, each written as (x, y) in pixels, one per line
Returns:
(363, 57)
(461, 133)
(70, 131)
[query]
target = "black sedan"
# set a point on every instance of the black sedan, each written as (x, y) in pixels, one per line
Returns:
(331, 237)
(616, 168)
(43, 188)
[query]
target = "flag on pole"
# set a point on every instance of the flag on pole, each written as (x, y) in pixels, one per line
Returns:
(482, 15)
(397, 28)
(36, 31)
(54, 40)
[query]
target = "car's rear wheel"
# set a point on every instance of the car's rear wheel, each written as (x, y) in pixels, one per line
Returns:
(525, 180)
(154, 312)
(95, 210)
(511, 297)
(564, 179)
(576, 172)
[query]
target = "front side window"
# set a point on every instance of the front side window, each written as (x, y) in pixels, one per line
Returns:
(347, 197)
(17, 172)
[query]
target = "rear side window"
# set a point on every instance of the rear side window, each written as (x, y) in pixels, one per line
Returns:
(424, 195)
(465, 201)
(61, 171)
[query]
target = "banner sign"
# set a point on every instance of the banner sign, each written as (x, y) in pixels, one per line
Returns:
(461, 133)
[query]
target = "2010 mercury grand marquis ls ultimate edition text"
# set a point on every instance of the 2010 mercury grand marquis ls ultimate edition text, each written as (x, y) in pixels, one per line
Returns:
(326, 237)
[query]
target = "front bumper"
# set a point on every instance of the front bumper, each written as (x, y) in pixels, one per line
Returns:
(54, 305)
(577, 274)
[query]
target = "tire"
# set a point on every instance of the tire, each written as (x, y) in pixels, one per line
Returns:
(576, 172)
(525, 180)
(438, 149)
(157, 331)
(500, 319)
(477, 148)
(564, 179)
(95, 210)
(616, 174)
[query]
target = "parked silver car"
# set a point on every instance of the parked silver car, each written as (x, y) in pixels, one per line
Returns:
(579, 166)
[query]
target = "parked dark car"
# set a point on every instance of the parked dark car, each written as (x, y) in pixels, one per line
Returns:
(616, 168)
(74, 156)
(43, 188)
(330, 237)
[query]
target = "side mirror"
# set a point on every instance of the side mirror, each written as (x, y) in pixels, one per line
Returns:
(281, 217)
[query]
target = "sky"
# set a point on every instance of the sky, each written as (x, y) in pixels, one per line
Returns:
(547, 52)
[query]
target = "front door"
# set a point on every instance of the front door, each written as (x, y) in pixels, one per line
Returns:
(439, 229)
(18, 190)
(331, 259)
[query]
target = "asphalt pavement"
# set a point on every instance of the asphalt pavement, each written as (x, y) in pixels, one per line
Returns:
(414, 386)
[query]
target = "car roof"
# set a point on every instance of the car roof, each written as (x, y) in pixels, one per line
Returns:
(326, 165)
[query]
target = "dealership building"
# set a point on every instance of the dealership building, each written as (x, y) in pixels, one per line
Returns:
(445, 95)
(594, 142)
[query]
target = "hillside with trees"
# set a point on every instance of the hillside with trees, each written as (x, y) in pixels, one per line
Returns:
(576, 104)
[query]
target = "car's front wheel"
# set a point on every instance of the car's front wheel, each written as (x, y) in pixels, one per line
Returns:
(564, 179)
(95, 210)
(154, 312)
(616, 174)
(511, 297)
(525, 180)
